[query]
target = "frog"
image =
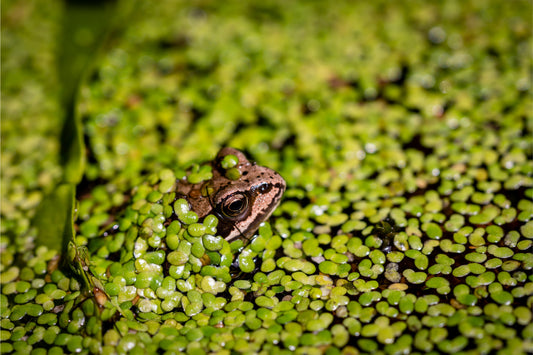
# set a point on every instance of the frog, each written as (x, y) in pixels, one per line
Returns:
(240, 203)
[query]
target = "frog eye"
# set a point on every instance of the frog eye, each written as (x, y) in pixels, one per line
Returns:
(234, 205)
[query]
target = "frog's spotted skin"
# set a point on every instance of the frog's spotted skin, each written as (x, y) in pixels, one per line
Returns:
(240, 205)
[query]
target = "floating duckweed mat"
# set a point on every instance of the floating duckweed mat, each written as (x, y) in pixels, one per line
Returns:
(404, 134)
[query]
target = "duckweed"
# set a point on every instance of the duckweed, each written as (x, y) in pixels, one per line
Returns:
(406, 225)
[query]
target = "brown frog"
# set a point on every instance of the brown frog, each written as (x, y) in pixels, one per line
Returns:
(241, 203)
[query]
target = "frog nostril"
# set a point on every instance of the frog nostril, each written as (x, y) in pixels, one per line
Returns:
(264, 188)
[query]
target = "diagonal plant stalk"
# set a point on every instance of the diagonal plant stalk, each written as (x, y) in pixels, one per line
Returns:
(85, 27)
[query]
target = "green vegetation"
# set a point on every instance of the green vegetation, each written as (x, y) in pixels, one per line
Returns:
(403, 131)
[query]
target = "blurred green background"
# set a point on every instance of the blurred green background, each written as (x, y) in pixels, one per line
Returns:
(415, 111)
